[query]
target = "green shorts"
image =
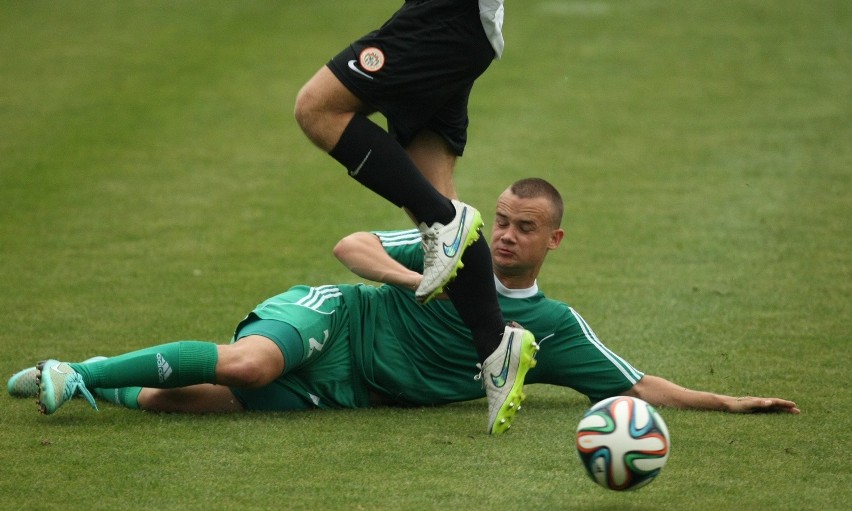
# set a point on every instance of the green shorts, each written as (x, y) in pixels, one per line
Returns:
(314, 339)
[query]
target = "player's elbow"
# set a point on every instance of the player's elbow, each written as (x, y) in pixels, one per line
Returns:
(342, 248)
(349, 245)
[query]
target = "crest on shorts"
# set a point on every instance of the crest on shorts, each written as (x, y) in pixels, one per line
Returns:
(372, 59)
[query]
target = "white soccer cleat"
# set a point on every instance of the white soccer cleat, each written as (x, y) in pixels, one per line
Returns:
(503, 374)
(443, 246)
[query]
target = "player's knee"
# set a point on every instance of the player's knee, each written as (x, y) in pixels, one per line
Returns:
(250, 372)
(307, 111)
(322, 124)
(253, 375)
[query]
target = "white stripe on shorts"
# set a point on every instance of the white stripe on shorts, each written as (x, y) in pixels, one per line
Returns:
(317, 295)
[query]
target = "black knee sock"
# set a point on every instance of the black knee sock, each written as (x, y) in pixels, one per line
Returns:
(475, 298)
(377, 161)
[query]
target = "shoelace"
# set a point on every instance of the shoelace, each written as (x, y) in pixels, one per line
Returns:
(79, 386)
(478, 376)
(430, 242)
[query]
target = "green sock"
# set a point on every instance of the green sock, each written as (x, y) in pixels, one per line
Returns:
(125, 396)
(167, 366)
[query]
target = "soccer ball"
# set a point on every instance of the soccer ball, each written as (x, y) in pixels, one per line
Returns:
(623, 443)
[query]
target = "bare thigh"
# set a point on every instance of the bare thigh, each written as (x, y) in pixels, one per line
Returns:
(324, 107)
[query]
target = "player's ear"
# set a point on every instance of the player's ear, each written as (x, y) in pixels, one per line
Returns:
(555, 239)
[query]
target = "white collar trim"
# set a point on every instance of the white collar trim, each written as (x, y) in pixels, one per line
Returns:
(516, 293)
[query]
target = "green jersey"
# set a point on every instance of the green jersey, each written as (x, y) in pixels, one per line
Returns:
(362, 339)
(423, 354)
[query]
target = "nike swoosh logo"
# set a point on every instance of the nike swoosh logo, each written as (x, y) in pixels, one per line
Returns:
(57, 370)
(357, 169)
(500, 379)
(544, 339)
(353, 67)
(450, 250)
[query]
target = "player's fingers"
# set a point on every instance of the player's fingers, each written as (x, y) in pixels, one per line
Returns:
(775, 405)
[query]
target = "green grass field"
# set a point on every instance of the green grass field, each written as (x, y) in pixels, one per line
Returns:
(155, 187)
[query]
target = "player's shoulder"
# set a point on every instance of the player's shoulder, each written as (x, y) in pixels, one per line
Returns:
(556, 307)
(559, 312)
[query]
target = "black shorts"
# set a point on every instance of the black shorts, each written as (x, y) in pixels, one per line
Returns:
(419, 67)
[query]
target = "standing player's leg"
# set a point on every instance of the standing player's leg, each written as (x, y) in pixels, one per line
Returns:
(335, 120)
(390, 71)
(506, 351)
(436, 160)
(414, 85)
(472, 293)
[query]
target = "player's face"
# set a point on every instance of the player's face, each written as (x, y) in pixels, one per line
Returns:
(522, 234)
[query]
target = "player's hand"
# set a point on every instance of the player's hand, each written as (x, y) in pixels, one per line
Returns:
(749, 404)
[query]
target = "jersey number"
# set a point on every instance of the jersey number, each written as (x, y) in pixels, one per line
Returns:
(313, 344)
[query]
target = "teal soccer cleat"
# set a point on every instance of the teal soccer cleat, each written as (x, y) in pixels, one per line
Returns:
(58, 383)
(24, 383)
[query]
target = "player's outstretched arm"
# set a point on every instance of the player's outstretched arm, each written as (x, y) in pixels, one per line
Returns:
(661, 392)
(362, 253)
